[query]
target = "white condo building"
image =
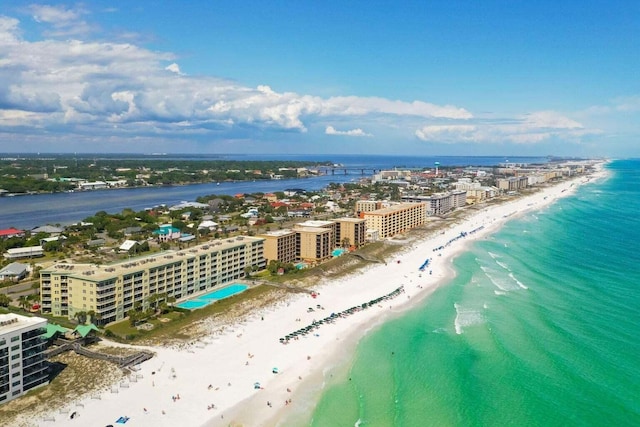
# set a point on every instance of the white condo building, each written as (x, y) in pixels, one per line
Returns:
(22, 361)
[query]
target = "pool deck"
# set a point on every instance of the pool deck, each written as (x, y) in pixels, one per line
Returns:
(210, 296)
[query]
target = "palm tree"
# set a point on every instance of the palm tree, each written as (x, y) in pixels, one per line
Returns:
(5, 300)
(24, 302)
(81, 316)
(91, 316)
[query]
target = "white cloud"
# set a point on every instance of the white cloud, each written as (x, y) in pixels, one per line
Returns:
(330, 130)
(530, 128)
(8, 31)
(94, 83)
(627, 104)
(174, 68)
(445, 132)
(64, 21)
(352, 105)
(88, 90)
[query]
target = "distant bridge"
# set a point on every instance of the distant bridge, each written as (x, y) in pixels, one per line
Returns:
(331, 170)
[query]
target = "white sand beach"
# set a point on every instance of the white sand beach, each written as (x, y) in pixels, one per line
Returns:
(212, 382)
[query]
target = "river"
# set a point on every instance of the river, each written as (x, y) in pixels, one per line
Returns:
(27, 212)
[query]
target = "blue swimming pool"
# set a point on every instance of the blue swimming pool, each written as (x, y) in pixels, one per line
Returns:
(213, 296)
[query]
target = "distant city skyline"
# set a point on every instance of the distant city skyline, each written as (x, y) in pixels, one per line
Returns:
(424, 78)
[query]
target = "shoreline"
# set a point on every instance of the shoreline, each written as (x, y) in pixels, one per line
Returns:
(223, 368)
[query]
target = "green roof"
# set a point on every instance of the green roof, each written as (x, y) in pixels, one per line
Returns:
(166, 230)
(52, 328)
(84, 330)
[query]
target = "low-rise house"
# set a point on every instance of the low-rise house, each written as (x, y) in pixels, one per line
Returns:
(166, 233)
(209, 225)
(28, 252)
(49, 229)
(46, 240)
(11, 232)
(94, 185)
(127, 245)
(15, 272)
(130, 231)
(96, 243)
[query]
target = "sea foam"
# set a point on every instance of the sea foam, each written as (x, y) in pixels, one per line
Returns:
(466, 317)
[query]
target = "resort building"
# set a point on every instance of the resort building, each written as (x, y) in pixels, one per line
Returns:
(314, 244)
(280, 245)
(331, 225)
(22, 361)
(513, 184)
(396, 219)
(363, 206)
(350, 232)
(112, 290)
(440, 203)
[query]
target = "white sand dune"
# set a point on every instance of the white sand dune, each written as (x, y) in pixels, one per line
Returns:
(246, 353)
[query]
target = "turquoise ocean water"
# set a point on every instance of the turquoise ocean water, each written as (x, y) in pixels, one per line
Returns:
(540, 327)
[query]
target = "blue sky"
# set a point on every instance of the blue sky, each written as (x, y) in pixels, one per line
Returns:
(401, 77)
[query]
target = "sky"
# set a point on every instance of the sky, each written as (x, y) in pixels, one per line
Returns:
(440, 77)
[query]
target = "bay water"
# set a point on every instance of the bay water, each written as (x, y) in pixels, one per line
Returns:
(540, 327)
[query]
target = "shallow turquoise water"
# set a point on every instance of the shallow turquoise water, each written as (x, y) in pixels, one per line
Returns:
(539, 328)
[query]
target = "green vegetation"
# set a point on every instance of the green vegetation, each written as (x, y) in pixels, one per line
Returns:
(61, 173)
(184, 319)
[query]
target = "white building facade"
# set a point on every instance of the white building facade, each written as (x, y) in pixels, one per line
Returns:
(22, 362)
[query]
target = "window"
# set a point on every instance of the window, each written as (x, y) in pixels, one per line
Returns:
(16, 338)
(15, 356)
(15, 347)
(15, 365)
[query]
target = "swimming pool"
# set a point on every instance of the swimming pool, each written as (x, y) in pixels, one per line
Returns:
(210, 297)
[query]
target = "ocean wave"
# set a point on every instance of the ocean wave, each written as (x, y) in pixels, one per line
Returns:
(503, 265)
(504, 283)
(518, 282)
(466, 317)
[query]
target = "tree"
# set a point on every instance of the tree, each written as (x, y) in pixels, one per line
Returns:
(134, 317)
(91, 316)
(53, 246)
(81, 316)
(5, 300)
(24, 302)
(33, 298)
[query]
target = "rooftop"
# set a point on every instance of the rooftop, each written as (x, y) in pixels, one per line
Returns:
(94, 273)
(393, 208)
(314, 223)
(278, 233)
(12, 322)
